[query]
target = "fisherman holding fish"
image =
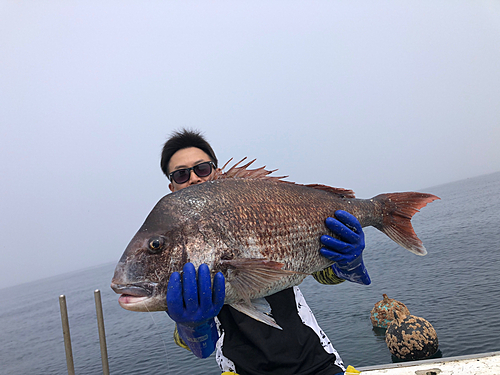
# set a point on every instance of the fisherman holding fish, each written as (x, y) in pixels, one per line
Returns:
(257, 237)
(244, 345)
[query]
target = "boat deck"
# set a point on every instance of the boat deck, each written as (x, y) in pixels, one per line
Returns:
(477, 364)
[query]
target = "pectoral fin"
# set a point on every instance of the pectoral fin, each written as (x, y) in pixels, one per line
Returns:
(250, 276)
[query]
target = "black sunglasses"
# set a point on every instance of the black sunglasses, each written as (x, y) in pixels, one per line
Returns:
(181, 176)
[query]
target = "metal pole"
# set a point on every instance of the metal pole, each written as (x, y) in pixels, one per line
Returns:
(102, 333)
(66, 335)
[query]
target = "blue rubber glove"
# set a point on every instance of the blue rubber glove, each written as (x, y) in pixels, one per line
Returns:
(347, 250)
(192, 304)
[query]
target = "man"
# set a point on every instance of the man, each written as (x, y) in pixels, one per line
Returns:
(244, 345)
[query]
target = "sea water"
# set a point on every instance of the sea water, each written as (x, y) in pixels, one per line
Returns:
(455, 287)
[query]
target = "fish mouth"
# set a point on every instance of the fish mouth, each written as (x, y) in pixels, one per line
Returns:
(134, 296)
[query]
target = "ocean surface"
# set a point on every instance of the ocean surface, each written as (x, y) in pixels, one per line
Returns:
(455, 287)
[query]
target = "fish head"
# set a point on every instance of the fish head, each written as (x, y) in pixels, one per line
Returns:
(154, 253)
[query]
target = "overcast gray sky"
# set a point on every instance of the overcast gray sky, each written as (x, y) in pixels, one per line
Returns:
(376, 96)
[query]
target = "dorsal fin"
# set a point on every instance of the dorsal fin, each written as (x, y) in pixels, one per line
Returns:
(242, 172)
(343, 193)
(262, 173)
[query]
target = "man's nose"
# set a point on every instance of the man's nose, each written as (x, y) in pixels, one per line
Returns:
(193, 178)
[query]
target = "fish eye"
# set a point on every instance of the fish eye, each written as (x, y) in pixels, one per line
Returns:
(156, 244)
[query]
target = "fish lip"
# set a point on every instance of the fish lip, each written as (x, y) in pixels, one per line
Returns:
(135, 297)
(135, 290)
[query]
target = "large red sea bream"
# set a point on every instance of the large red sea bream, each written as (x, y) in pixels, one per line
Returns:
(261, 232)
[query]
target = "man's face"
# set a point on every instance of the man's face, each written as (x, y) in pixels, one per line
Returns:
(188, 158)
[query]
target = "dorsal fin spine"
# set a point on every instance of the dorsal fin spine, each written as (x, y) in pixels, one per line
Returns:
(237, 171)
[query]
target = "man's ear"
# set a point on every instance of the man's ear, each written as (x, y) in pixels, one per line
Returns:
(171, 187)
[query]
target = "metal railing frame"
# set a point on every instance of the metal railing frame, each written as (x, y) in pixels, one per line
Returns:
(67, 336)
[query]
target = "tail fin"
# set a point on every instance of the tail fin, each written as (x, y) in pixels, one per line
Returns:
(398, 209)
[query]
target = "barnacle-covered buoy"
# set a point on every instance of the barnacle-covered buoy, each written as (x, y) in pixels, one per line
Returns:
(411, 338)
(383, 311)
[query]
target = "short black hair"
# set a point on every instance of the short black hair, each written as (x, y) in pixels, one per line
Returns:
(183, 139)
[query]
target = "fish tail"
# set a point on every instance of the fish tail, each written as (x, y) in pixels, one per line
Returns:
(398, 209)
